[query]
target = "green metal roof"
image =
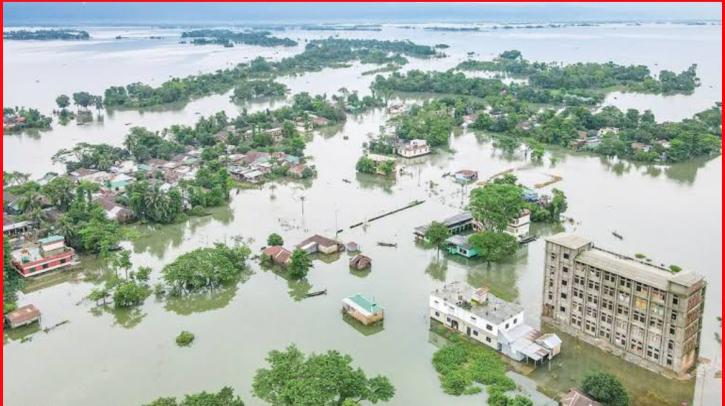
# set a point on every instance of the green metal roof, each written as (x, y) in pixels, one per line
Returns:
(52, 239)
(366, 303)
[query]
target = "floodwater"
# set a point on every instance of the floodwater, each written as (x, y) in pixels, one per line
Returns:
(672, 214)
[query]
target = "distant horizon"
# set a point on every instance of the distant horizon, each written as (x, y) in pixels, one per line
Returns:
(159, 14)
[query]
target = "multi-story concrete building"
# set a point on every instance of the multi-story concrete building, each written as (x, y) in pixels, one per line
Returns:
(491, 321)
(645, 313)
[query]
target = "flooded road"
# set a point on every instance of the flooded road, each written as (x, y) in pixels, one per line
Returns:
(672, 214)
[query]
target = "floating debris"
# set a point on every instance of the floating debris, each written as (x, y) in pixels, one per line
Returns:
(617, 235)
(554, 179)
(388, 244)
(318, 293)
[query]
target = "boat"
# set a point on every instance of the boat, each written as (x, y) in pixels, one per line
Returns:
(318, 293)
(617, 235)
(346, 181)
(388, 244)
(115, 248)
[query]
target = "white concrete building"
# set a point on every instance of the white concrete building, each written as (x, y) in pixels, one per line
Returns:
(414, 149)
(489, 320)
(519, 228)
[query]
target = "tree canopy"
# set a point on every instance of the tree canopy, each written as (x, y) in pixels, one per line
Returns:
(294, 379)
(225, 397)
(494, 246)
(496, 205)
(605, 388)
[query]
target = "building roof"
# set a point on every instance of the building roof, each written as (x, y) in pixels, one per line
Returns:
(460, 218)
(571, 241)
(495, 310)
(52, 239)
(459, 241)
(577, 398)
(467, 173)
(23, 315)
(279, 254)
(637, 270)
(319, 240)
(364, 305)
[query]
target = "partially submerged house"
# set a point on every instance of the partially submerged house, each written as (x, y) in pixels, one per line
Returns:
(362, 309)
(576, 397)
(519, 227)
(361, 263)
(47, 255)
(457, 224)
(278, 255)
(13, 227)
(318, 243)
(23, 316)
(352, 247)
(466, 176)
(489, 320)
(414, 148)
(459, 245)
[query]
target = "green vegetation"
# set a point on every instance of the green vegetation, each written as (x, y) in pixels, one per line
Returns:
(494, 246)
(432, 122)
(90, 156)
(365, 165)
(589, 75)
(185, 339)
(128, 291)
(225, 397)
(150, 203)
(275, 240)
(436, 234)
(258, 88)
(12, 282)
(144, 145)
(675, 268)
(228, 38)
(19, 118)
(300, 264)
(463, 365)
(317, 380)
(496, 205)
(84, 100)
(206, 269)
(605, 388)
(318, 54)
(46, 35)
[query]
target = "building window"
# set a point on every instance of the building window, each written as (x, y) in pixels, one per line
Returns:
(563, 295)
(438, 314)
(45, 266)
(675, 301)
(489, 327)
(565, 269)
(473, 319)
(566, 256)
(448, 319)
(488, 339)
(507, 326)
(62, 261)
(672, 330)
(475, 333)
(564, 282)
(515, 321)
(562, 309)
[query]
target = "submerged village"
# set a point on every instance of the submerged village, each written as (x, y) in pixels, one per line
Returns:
(588, 325)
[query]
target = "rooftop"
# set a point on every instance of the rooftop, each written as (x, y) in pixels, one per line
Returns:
(23, 315)
(319, 240)
(52, 239)
(571, 241)
(459, 218)
(460, 241)
(577, 398)
(495, 310)
(637, 270)
(365, 304)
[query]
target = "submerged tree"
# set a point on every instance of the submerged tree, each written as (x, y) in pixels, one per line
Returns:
(436, 235)
(300, 264)
(605, 388)
(494, 246)
(225, 397)
(329, 379)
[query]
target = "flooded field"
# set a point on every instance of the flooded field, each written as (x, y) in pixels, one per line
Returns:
(673, 214)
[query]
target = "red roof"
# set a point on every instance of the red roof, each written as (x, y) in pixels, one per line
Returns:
(467, 172)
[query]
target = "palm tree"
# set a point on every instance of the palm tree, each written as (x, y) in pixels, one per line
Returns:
(88, 188)
(29, 202)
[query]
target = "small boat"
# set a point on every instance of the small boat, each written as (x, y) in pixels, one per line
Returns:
(346, 181)
(617, 235)
(318, 293)
(388, 244)
(115, 248)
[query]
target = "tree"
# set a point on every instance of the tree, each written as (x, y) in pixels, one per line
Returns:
(437, 234)
(294, 379)
(206, 269)
(494, 246)
(275, 240)
(83, 99)
(60, 191)
(29, 202)
(12, 282)
(62, 101)
(225, 397)
(365, 165)
(300, 264)
(496, 205)
(605, 388)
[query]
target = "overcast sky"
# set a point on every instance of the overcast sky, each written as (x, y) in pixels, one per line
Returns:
(160, 13)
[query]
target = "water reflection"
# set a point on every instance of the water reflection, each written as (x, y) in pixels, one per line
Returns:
(437, 269)
(128, 318)
(363, 329)
(372, 182)
(203, 301)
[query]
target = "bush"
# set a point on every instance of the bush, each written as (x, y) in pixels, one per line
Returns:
(185, 339)
(605, 388)
(197, 211)
(675, 268)
(275, 240)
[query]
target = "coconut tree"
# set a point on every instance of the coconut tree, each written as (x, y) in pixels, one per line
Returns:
(29, 202)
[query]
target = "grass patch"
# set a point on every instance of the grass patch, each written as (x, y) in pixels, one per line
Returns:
(185, 339)
(464, 368)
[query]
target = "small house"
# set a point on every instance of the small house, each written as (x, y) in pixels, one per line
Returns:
(638, 146)
(414, 148)
(114, 211)
(519, 227)
(578, 398)
(361, 263)
(23, 316)
(352, 247)
(12, 227)
(319, 121)
(613, 131)
(318, 243)
(362, 309)
(47, 255)
(457, 224)
(466, 176)
(529, 195)
(278, 255)
(459, 245)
